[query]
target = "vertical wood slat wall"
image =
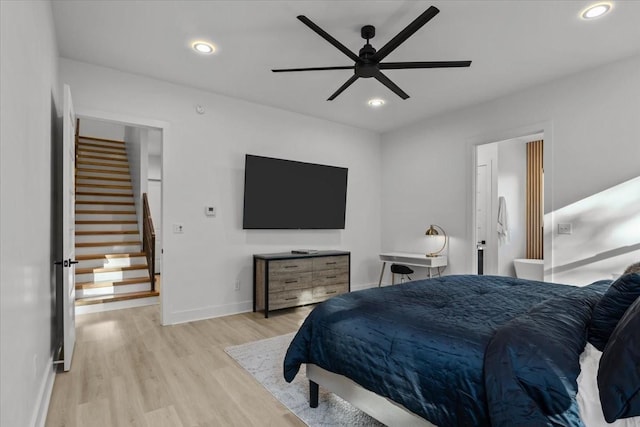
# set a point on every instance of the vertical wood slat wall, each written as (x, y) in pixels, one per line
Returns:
(534, 249)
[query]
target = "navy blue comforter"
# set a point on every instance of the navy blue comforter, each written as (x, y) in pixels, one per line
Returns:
(422, 344)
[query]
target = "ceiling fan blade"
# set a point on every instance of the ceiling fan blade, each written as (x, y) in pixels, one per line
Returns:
(322, 33)
(391, 85)
(283, 70)
(406, 33)
(430, 64)
(343, 87)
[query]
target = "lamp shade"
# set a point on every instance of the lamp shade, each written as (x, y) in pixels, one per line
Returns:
(436, 240)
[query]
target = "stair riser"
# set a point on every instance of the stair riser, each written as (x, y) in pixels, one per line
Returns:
(83, 164)
(111, 262)
(98, 181)
(104, 174)
(106, 238)
(100, 145)
(112, 276)
(99, 153)
(108, 249)
(83, 198)
(106, 227)
(107, 162)
(112, 290)
(101, 157)
(97, 308)
(106, 191)
(105, 207)
(105, 217)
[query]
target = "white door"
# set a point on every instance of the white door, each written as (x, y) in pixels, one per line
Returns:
(68, 227)
(154, 194)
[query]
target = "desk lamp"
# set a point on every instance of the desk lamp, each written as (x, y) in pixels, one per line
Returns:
(433, 235)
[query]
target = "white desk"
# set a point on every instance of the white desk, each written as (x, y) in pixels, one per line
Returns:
(407, 258)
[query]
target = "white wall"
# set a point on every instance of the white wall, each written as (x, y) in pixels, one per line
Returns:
(102, 129)
(28, 78)
(137, 154)
(592, 145)
(203, 164)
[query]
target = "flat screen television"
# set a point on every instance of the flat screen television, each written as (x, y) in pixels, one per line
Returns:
(285, 194)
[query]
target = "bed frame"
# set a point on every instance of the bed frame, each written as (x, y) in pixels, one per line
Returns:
(380, 408)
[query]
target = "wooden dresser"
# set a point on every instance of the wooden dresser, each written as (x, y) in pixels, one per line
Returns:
(283, 280)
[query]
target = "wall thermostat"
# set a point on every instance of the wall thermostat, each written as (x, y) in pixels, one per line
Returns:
(210, 210)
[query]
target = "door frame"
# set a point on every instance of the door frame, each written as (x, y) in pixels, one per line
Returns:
(165, 129)
(544, 127)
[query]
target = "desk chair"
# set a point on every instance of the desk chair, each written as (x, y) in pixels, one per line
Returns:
(402, 270)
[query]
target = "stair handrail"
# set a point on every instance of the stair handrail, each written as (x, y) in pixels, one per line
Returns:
(149, 239)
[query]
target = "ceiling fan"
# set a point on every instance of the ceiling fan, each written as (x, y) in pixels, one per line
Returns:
(368, 61)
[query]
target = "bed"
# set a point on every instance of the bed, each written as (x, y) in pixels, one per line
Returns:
(452, 351)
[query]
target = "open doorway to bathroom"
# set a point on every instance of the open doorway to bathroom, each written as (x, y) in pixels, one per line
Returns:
(509, 207)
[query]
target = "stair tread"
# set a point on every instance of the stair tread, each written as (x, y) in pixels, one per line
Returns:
(111, 159)
(106, 221)
(102, 178)
(113, 186)
(110, 256)
(101, 232)
(111, 269)
(98, 193)
(125, 243)
(116, 297)
(93, 138)
(110, 212)
(101, 150)
(110, 284)
(105, 171)
(103, 202)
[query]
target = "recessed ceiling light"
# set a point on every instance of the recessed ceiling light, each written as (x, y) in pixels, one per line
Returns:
(203, 47)
(595, 10)
(376, 102)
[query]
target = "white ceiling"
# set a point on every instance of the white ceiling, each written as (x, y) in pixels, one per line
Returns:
(513, 45)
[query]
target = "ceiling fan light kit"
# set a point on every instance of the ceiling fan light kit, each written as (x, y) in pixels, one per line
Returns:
(368, 63)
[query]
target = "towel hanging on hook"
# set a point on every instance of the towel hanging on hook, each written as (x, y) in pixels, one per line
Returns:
(503, 221)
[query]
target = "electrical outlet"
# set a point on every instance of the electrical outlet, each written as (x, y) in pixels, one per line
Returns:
(565, 228)
(210, 210)
(178, 228)
(237, 285)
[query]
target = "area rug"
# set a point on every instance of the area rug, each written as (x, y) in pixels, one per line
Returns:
(263, 359)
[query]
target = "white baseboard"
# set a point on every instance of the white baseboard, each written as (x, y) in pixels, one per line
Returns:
(209, 312)
(39, 417)
(227, 309)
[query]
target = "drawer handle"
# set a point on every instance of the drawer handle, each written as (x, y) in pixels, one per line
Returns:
(331, 292)
(290, 299)
(331, 277)
(290, 266)
(291, 281)
(331, 263)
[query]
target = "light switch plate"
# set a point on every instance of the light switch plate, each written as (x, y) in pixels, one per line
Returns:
(178, 228)
(210, 210)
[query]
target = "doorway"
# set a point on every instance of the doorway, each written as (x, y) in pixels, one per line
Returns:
(149, 136)
(503, 204)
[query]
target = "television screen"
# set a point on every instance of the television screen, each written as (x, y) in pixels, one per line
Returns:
(285, 194)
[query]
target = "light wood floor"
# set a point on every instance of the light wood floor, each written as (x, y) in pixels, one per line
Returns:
(128, 370)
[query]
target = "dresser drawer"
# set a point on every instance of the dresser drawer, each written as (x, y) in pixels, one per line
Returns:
(330, 277)
(290, 266)
(291, 298)
(287, 280)
(330, 262)
(321, 293)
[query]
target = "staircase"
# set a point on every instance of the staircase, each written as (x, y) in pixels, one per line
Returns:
(112, 272)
